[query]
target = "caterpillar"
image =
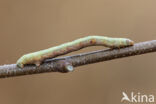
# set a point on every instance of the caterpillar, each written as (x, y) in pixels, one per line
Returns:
(38, 57)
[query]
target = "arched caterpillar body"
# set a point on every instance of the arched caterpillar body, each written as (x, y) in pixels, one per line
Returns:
(38, 57)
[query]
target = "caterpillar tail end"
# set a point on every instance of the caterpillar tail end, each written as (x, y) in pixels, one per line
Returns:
(130, 42)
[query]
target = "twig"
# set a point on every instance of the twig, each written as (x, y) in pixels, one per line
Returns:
(66, 64)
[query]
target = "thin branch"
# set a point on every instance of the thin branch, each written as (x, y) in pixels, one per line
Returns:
(66, 64)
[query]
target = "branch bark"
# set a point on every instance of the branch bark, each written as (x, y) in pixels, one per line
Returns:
(66, 64)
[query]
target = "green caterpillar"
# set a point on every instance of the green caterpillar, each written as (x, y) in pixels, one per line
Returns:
(38, 57)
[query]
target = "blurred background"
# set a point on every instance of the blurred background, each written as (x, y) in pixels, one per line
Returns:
(31, 25)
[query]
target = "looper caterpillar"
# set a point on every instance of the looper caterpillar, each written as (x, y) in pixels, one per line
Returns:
(38, 57)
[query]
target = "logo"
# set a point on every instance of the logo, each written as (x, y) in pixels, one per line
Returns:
(137, 97)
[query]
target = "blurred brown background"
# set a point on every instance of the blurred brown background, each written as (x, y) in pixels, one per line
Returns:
(31, 25)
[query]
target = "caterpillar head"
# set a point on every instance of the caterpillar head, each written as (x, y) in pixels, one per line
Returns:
(22, 61)
(25, 59)
(31, 58)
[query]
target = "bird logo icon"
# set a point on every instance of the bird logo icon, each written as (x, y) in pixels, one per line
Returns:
(125, 97)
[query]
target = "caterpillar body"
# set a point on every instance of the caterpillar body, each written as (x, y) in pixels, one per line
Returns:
(38, 57)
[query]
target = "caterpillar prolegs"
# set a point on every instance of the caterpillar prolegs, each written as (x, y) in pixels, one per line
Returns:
(38, 57)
